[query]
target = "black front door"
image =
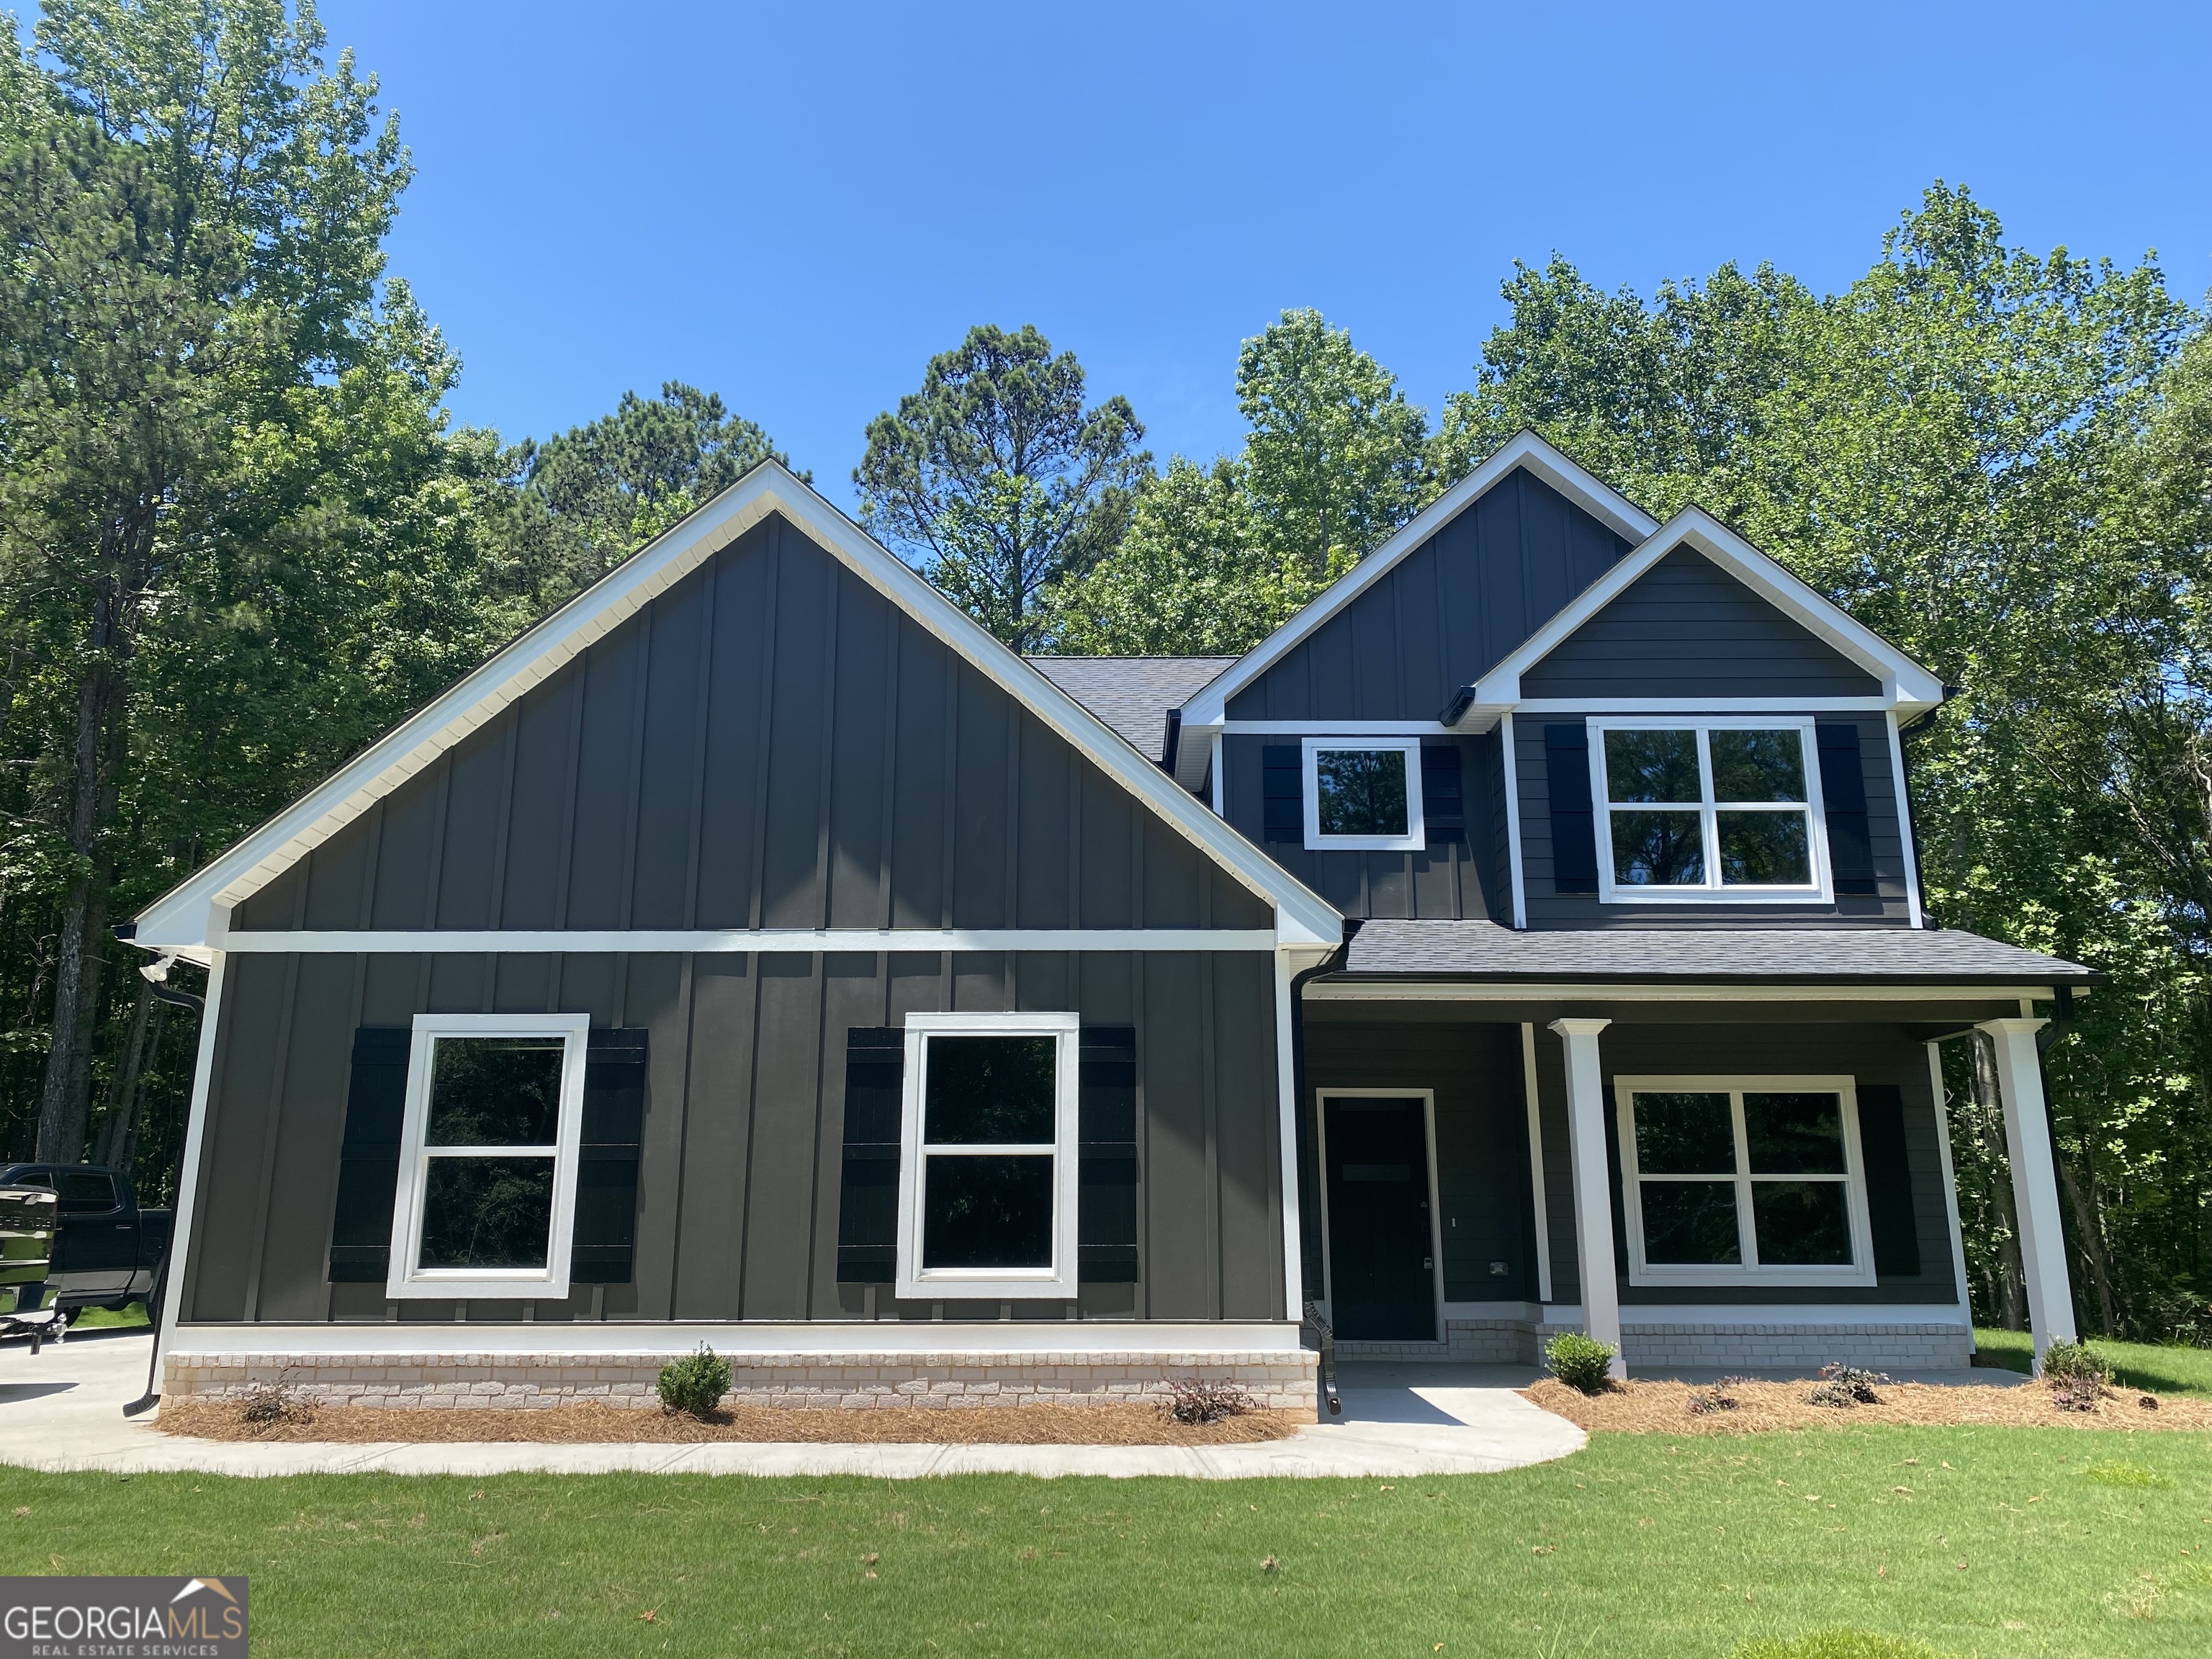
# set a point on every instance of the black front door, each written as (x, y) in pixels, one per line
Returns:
(1382, 1271)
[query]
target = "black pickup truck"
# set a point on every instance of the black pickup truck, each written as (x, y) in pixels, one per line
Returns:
(106, 1250)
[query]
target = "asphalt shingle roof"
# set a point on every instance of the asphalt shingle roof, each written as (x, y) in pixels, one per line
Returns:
(1485, 950)
(1133, 694)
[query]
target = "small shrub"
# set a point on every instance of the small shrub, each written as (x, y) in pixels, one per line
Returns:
(1197, 1399)
(1844, 1386)
(264, 1405)
(1703, 1402)
(2077, 1396)
(2074, 1362)
(1580, 1362)
(694, 1384)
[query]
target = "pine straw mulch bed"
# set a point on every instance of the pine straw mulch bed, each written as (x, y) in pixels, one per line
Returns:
(1010, 1425)
(1663, 1407)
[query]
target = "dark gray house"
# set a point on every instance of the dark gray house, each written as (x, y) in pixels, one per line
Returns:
(1526, 936)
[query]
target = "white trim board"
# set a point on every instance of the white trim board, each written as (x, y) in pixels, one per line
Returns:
(1076, 1339)
(1734, 1314)
(1575, 991)
(779, 940)
(183, 919)
(1906, 685)
(1208, 708)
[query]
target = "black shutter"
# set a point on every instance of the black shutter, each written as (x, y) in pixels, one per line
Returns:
(1843, 793)
(1574, 836)
(369, 1165)
(1106, 1213)
(603, 1249)
(1282, 771)
(1889, 1181)
(867, 1210)
(1443, 808)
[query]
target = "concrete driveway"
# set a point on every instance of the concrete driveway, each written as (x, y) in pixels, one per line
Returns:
(63, 1410)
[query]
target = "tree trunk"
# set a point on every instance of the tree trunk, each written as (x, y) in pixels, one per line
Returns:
(122, 1098)
(2091, 1237)
(126, 1157)
(64, 1094)
(2012, 1273)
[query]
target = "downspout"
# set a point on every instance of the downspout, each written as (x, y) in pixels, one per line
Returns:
(1332, 1399)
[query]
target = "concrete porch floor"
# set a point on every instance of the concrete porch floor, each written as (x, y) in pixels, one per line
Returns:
(63, 1410)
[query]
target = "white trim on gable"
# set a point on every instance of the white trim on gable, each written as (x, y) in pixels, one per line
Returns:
(190, 918)
(1209, 707)
(1906, 687)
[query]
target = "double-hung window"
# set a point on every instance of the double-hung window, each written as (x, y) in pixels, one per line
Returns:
(1717, 809)
(486, 1196)
(988, 1175)
(1364, 794)
(1741, 1180)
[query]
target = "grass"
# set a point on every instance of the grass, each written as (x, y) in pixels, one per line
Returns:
(1833, 1544)
(2135, 1364)
(91, 1318)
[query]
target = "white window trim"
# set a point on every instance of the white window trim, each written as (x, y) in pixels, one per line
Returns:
(1821, 890)
(1861, 1270)
(1415, 838)
(404, 1279)
(1057, 1280)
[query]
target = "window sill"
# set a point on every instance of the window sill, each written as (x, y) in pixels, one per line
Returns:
(933, 1287)
(1712, 896)
(1785, 1277)
(527, 1287)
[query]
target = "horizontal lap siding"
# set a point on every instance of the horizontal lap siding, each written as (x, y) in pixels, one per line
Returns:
(1550, 908)
(1687, 629)
(738, 1181)
(769, 745)
(1872, 1053)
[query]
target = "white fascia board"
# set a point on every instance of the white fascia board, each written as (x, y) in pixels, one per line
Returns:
(189, 914)
(1906, 685)
(1208, 708)
(768, 941)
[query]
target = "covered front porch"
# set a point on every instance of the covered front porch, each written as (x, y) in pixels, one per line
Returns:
(1747, 1126)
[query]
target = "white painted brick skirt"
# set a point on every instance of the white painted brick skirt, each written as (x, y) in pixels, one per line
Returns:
(480, 1382)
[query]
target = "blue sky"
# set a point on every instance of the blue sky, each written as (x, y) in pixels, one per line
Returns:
(795, 206)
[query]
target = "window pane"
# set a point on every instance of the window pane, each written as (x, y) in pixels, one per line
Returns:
(986, 1211)
(1652, 766)
(83, 1191)
(1795, 1135)
(1657, 849)
(1690, 1222)
(1801, 1223)
(494, 1092)
(1363, 792)
(985, 1090)
(487, 1213)
(1684, 1135)
(1757, 765)
(1764, 849)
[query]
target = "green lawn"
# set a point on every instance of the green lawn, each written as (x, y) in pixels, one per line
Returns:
(1991, 1542)
(2135, 1364)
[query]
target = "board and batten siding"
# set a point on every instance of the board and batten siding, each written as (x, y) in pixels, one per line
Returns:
(1687, 629)
(1871, 1053)
(771, 744)
(739, 1175)
(1449, 610)
(1547, 908)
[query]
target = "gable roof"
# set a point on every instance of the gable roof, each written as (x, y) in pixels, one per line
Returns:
(1209, 708)
(1906, 685)
(183, 919)
(1133, 694)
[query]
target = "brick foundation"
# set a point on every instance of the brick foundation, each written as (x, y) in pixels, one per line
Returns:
(949, 1381)
(1898, 1348)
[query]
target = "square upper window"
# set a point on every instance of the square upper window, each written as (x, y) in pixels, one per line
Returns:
(487, 1194)
(1729, 1180)
(988, 1157)
(1714, 809)
(1364, 794)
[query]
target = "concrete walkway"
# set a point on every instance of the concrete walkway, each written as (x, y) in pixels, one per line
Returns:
(64, 1411)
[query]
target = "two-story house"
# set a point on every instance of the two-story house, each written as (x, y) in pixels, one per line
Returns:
(1526, 936)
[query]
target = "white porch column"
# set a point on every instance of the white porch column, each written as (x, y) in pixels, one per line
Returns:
(1593, 1184)
(2034, 1182)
